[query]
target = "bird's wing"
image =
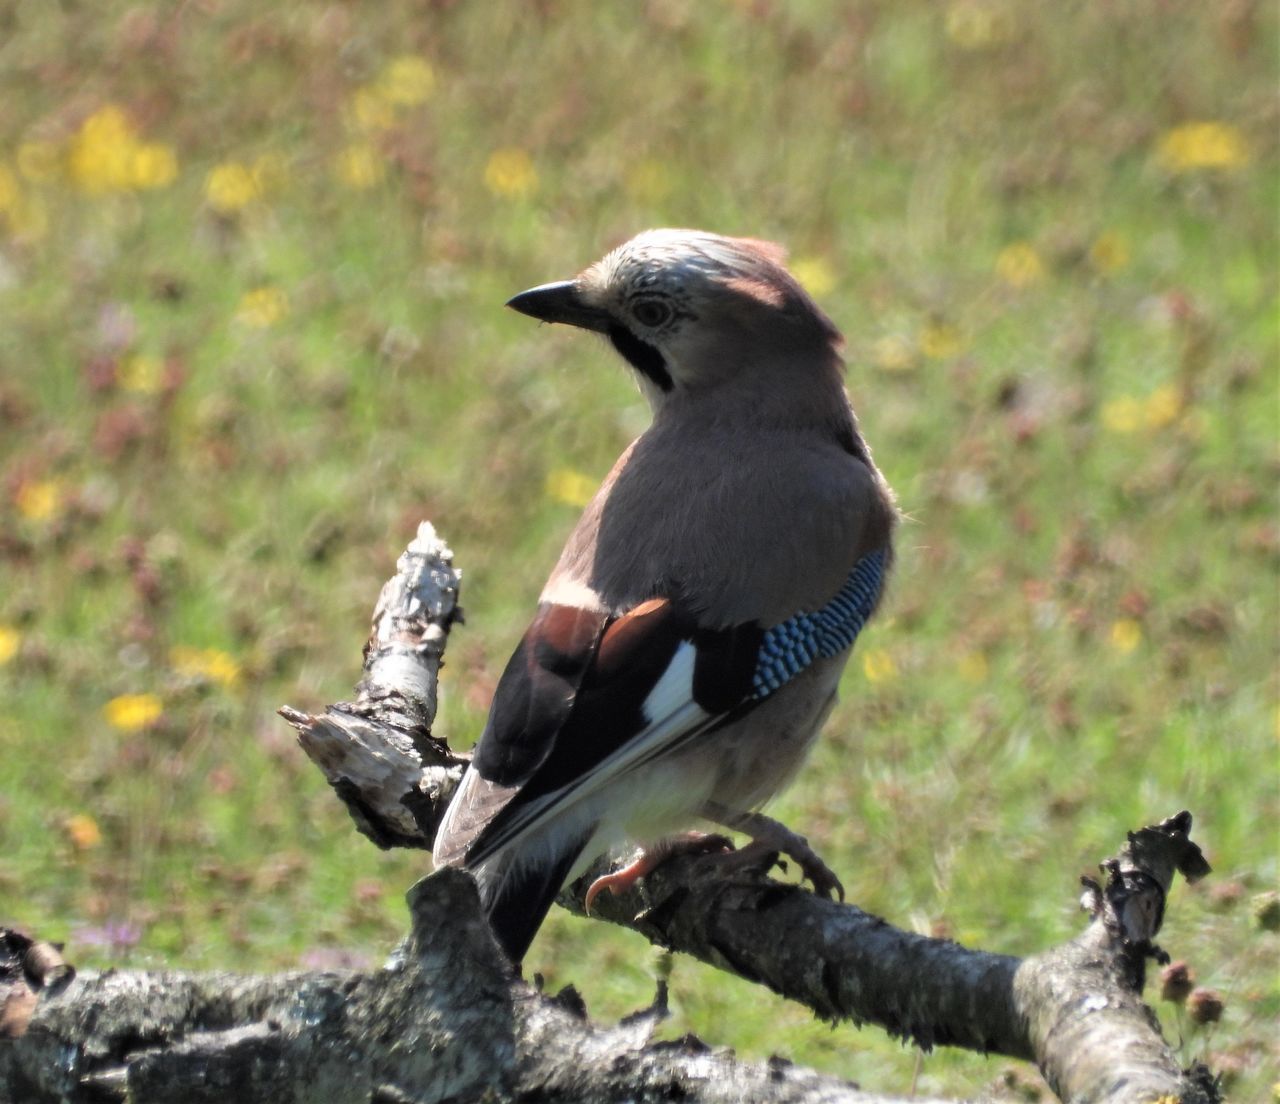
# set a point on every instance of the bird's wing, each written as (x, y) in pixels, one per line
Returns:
(533, 700)
(587, 699)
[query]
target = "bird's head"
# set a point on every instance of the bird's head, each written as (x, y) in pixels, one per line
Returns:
(690, 311)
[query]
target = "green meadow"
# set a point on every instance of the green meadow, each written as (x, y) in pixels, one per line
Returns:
(253, 261)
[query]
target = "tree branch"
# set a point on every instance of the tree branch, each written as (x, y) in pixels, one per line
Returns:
(447, 1018)
(1075, 1010)
(377, 752)
(1093, 1037)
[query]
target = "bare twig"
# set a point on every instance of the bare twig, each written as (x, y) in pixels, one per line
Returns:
(377, 752)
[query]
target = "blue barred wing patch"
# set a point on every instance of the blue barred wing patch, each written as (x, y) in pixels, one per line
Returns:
(788, 648)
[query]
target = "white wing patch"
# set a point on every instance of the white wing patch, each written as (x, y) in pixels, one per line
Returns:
(675, 688)
(566, 591)
(671, 716)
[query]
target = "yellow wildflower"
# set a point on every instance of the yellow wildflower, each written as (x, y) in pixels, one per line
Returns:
(1109, 253)
(648, 182)
(141, 374)
(1123, 415)
(10, 642)
(571, 487)
(973, 667)
(209, 664)
(41, 500)
(1163, 406)
(10, 193)
(360, 167)
(1202, 146)
(1125, 635)
(407, 80)
(509, 173)
(132, 712)
(371, 110)
(893, 353)
(100, 158)
(28, 217)
(153, 165)
(230, 187)
(39, 161)
(1127, 414)
(105, 155)
(879, 666)
(975, 24)
(82, 832)
(815, 275)
(262, 307)
(941, 340)
(1019, 265)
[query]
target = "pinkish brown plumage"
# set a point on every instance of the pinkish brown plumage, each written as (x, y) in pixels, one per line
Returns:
(688, 642)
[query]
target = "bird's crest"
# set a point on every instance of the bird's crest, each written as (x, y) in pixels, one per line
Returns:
(750, 267)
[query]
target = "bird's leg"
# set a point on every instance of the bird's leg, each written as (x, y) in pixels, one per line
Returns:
(769, 837)
(648, 858)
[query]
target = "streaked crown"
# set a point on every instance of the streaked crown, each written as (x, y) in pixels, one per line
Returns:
(687, 308)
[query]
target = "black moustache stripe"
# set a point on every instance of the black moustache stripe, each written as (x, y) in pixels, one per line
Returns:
(642, 356)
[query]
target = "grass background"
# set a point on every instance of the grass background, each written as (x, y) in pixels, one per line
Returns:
(252, 262)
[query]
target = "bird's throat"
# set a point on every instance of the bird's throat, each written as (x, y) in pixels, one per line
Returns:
(642, 356)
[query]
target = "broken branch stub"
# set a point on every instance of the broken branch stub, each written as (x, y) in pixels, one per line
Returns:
(378, 752)
(1093, 1036)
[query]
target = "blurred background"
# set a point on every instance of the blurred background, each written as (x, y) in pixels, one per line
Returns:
(252, 267)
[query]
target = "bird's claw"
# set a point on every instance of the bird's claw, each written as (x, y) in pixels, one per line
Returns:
(772, 840)
(649, 858)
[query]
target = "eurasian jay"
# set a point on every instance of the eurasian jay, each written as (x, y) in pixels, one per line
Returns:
(686, 648)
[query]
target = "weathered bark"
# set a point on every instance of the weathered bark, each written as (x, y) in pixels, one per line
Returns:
(448, 1020)
(834, 958)
(378, 752)
(445, 1020)
(1094, 1038)
(1075, 1010)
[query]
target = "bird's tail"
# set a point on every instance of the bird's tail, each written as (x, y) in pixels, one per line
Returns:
(517, 895)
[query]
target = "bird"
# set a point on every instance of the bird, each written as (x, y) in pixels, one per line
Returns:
(686, 647)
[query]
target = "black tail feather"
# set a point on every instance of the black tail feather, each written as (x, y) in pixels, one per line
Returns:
(518, 899)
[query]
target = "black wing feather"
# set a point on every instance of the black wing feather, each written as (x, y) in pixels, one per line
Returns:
(543, 742)
(536, 693)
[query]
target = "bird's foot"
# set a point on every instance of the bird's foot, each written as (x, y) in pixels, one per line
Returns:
(770, 838)
(653, 856)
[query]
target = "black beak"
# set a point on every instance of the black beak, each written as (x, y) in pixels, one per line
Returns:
(560, 302)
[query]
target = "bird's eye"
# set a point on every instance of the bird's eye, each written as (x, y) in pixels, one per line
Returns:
(651, 312)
